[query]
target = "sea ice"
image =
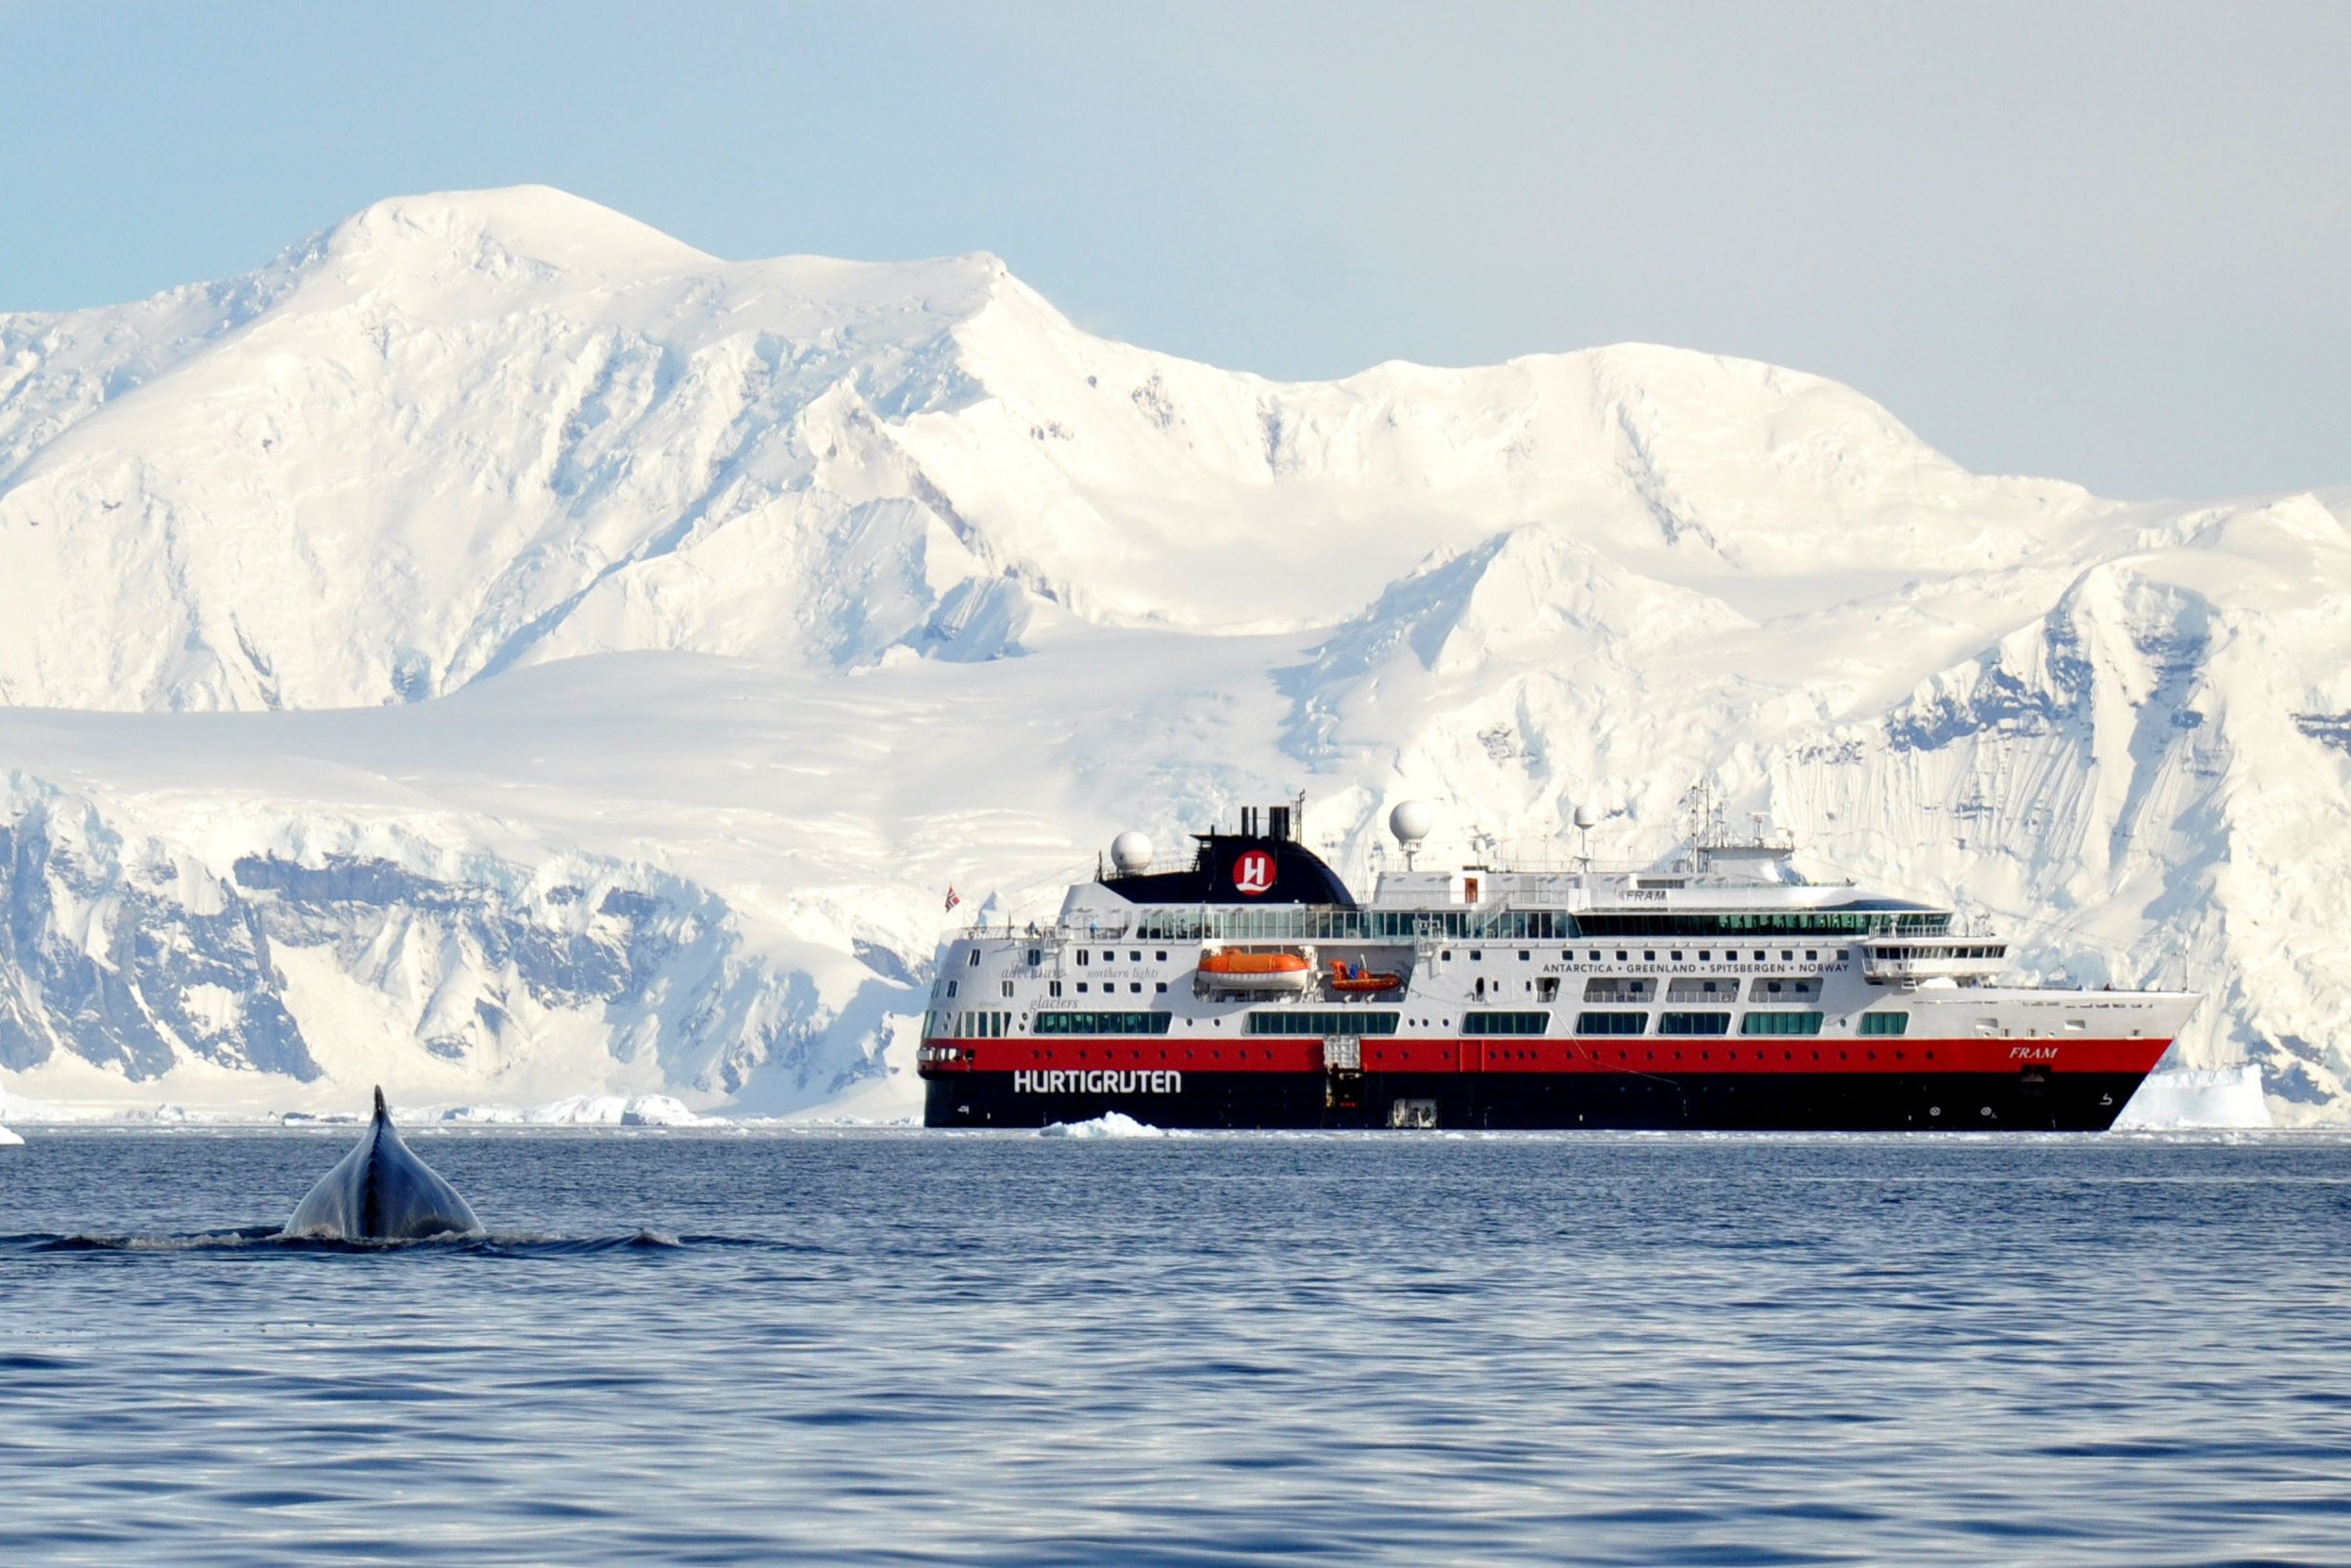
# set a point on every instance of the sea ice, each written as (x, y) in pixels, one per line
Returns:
(588, 1111)
(1110, 1123)
(2196, 1097)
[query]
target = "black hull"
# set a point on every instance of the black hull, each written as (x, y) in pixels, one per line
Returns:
(1722, 1102)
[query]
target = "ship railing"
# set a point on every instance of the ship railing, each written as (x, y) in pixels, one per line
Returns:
(1951, 958)
(1425, 929)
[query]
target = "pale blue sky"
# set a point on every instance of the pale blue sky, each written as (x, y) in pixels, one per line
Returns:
(2105, 243)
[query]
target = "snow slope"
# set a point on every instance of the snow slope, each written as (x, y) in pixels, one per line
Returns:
(499, 649)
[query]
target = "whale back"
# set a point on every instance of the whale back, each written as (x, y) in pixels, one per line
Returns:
(380, 1192)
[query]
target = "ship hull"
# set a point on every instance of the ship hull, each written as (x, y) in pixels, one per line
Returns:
(1691, 1102)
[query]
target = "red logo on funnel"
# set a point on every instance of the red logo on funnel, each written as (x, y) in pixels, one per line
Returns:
(1253, 874)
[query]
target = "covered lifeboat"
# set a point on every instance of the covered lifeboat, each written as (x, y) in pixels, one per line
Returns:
(1237, 969)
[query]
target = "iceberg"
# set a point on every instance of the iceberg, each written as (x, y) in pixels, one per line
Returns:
(1111, 1123)
(2184, 1098)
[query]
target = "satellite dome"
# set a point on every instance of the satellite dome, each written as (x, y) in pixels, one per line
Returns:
(1411, 821)
(1130, 851)
(1586, 818)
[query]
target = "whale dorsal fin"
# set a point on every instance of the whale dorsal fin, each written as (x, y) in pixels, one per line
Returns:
(381, 1114)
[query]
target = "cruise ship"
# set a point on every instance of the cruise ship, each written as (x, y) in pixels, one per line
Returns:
(1249, 988)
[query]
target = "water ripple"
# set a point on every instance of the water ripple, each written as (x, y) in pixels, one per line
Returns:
(1216, 1350)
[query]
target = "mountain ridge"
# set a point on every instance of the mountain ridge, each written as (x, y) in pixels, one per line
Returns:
(497, 529)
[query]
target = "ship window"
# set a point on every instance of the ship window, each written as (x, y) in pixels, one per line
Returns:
(1478, 955)
(1162, 985)
(1084, 957)
(1109, 956)
(1780, 1023)
(1613, 987)
(1104, 1022)
(1705, 957)
(1007, 988)
(1677, 955)
(1134, 958)
(1053, 988)
(1649, 956)
(1524, 955)
(951, 985)
(1134, 986)
(1611, 1023)
(1595, 956)
(1840, 954)
(1294, 1021)
(975, 958)
(1036, 956)
(1885, 1022)
(1688, 989)
(1784, 990)
(1505, 1023)
(1160, 955)
(1811, 956)
(1694, 1023)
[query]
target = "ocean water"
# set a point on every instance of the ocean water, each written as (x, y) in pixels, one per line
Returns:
(712, 1348)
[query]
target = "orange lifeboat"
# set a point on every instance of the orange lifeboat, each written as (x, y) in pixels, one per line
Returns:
(1243, 971)
(1355, 980)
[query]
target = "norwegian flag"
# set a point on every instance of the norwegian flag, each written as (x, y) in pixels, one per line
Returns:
(952, 900)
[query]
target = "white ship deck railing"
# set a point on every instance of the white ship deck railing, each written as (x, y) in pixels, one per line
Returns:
(1324, 924)
(1956, 959)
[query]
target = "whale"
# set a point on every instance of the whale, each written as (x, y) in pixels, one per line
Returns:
(381, 1193)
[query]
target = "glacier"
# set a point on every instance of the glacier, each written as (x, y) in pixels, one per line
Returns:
(499, 651)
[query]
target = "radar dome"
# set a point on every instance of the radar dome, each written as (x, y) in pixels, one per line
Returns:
(1130, 851)
(1411, 821)
(1586, 818)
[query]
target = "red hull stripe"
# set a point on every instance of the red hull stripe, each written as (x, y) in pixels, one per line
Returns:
(1651, 1054)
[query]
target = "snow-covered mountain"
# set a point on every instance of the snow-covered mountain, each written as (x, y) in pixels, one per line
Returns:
(502, 651)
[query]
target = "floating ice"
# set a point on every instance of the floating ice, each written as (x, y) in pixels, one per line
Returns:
(588, 1111)
(2196, 1097)
(1111, 1123)
(9, 1140)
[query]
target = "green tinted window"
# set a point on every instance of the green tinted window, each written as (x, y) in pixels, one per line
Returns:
(1780, 1023)
(1104, 1022)
(1505, 1023)
(1321, 1022)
